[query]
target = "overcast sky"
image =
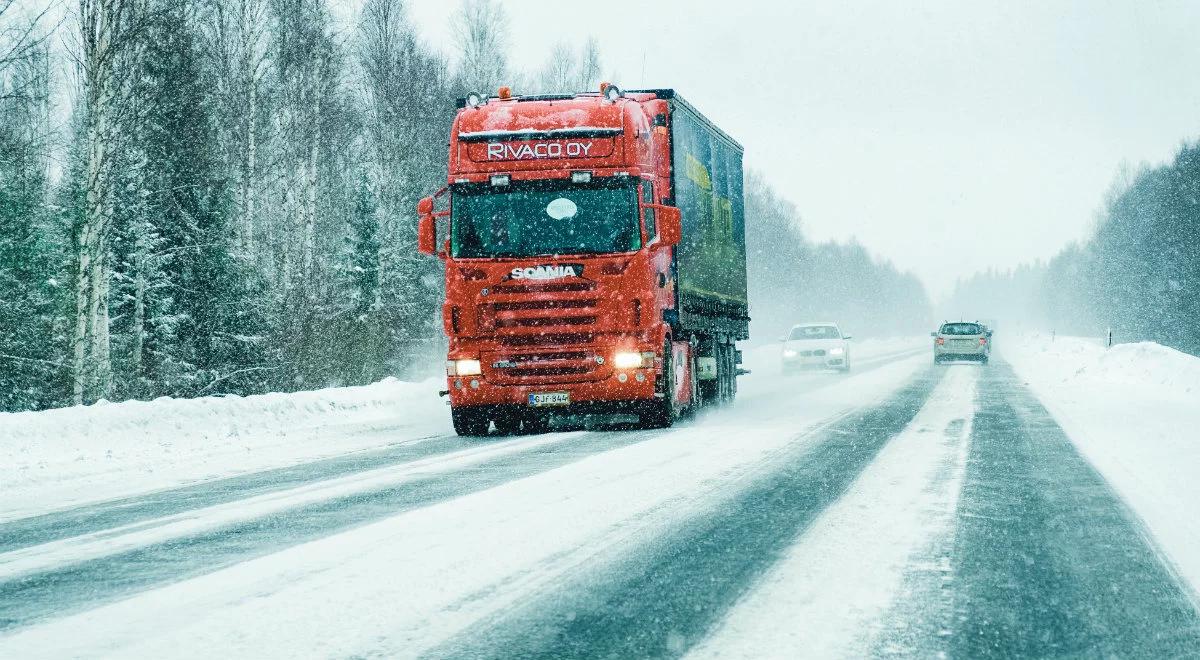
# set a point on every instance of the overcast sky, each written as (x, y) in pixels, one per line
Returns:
(946, 137)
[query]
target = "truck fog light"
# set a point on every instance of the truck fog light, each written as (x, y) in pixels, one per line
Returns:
(640, 377)
(467, 367)
(627, 360)
(622, 377)
(474, 384)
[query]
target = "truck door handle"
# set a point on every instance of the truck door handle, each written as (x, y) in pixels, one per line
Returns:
(662, 280)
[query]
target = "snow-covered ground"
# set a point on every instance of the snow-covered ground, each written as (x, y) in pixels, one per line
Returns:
(413, 580)
(70, 456)
(1134, 412)
(58, 458)
(481, 559)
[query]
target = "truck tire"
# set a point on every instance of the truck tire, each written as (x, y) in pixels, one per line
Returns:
(537, 423)
(469, 422)
(508, 423)
(660, 413)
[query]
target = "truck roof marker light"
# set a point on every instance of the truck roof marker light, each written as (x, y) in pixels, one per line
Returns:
(505, 93)
(581, 177)
(475, 99)
(500, 179)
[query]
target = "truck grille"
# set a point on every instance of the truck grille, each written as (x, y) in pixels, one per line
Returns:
(548, 287)
(509, 368)
(543, 331)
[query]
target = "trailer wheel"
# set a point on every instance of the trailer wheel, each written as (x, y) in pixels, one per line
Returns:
(729, 375)
(469, 422)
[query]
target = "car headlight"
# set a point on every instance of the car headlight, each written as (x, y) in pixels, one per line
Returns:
(837, 351)
(787, 352)
(627, 360)
(466, 367)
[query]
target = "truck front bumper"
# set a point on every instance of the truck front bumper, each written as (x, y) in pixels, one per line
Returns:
(622, 386)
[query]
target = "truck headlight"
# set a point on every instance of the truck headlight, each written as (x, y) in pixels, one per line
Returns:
(627, 360)
(789, 353)
(465, 367)
(837, 351)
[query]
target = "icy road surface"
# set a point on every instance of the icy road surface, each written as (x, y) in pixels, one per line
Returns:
(901, 510)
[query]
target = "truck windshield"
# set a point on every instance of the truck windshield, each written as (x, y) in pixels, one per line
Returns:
(543, 218)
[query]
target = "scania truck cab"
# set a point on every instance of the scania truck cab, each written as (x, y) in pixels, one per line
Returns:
(594, 254)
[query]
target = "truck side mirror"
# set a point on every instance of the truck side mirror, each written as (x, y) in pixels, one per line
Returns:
(426, 233)
(933, 334)
(670, 224)
(426, 228)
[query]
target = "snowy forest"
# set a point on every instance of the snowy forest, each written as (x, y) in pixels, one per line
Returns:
(1138, 274)
(202, 197)
(794, 280)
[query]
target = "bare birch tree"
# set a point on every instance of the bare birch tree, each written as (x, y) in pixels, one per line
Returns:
(480, 30)
(236, 37)
(106, 28)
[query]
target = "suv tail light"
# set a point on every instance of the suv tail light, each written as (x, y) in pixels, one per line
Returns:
(982, 341)
(941, 341)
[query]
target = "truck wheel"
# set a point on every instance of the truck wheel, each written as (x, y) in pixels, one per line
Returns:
(535, 424)
(469, 422)
(508, 423)
(660, 413)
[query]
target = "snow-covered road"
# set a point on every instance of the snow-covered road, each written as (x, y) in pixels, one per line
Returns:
(903, 509)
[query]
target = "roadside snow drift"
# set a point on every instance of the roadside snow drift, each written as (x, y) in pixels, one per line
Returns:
(60, 457)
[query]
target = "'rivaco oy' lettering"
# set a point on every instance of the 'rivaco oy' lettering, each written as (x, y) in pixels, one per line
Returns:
(540, 150)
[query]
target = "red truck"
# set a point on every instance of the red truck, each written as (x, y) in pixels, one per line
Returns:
(595, 258)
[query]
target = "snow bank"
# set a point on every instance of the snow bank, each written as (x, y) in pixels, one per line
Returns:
(1142, 364)
(60, 457)
(1134, 412)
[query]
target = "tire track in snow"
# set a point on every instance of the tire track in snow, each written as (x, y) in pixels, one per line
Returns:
(77, 585)
(44, 528)
(110, 514)
(1049, 561)
(664, 599)
(29, 598)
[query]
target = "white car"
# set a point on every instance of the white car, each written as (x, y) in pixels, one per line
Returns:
(816, 346)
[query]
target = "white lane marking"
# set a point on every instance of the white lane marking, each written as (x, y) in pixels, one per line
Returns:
(824, 598)
(147, 532)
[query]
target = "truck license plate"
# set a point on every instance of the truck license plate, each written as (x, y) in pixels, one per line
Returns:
(549, 398)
